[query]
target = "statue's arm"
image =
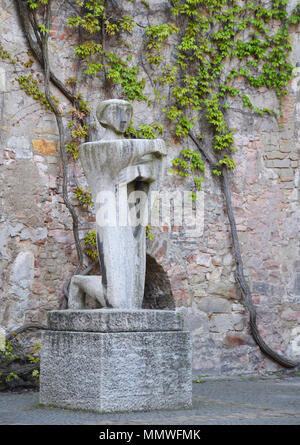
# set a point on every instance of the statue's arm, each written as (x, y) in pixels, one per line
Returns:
(128, 174)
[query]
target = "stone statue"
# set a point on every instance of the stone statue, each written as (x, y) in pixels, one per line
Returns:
(115, 168)
(119, 357)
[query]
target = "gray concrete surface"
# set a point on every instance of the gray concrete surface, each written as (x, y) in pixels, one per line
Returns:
(115, 320)
(242, 400)
(116, 371)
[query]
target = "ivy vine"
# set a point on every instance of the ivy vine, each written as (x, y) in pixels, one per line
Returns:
(218, 44)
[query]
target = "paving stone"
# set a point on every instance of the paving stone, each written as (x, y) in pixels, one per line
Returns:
(223, 400)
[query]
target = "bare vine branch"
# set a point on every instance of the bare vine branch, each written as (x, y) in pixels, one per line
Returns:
(212, 162)
(39, 47)
(26, 327)
(240, 278)
(36, 47)
(60, 126)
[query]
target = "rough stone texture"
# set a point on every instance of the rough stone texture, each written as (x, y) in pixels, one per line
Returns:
(44, 147)
(111, 372)
(114, 320)
(116, 168)
(34, 219)
(2, 80)
(84, 288)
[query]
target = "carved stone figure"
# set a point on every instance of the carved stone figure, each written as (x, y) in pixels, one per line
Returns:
(115, 167)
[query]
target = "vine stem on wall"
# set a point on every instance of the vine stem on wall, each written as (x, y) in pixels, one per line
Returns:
(40, 50)
(240, 277)
(59, 121)
(28, 26)
(241, 281)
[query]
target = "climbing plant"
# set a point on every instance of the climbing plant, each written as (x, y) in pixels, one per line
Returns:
(216, 46)
(19, 360)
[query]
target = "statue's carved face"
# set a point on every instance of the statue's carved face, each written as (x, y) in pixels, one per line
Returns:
(116, 116)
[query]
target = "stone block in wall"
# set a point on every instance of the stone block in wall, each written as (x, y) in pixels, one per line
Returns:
(228, 259)
(297, 284)
(203, 259)
(196, 279)
(238, 339)
(20, 146)
(278, 163)
(290, 315)
(2, 80)
(213, 305)
(222, 288)
(286, 175)
(287, 146)
(4, 237)
(199, 290)
(194, 320)
(43, 147)
(275, 155)
(238, 322)
(221, 323)
(23, 269)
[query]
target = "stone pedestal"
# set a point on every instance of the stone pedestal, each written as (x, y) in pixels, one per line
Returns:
(111, 360)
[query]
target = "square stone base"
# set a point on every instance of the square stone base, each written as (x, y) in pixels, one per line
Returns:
(116, 371)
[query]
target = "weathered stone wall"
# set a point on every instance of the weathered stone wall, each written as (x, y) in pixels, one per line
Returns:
(37, 252)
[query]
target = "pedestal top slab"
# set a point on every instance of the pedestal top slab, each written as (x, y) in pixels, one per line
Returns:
(115, 320)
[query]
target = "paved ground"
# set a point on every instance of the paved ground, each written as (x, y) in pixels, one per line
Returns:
(225, 401)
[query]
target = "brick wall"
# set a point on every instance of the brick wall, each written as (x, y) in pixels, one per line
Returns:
(37, 252)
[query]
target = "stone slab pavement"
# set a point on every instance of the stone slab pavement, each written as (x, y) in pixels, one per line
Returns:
(240, 400)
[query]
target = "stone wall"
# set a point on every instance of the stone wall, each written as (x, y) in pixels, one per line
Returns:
(37, 252)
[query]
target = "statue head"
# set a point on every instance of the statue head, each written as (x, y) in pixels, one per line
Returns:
(114, 114)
